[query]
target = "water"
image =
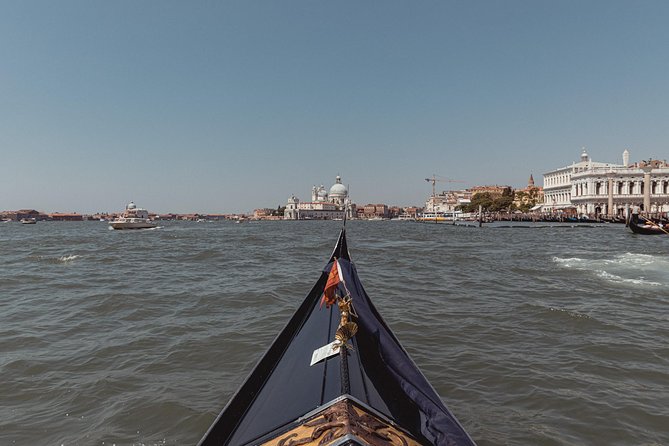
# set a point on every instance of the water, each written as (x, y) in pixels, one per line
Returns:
(532, 336)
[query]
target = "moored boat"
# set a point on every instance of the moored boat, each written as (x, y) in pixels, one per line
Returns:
(647, 226)
(405, 217)
(133, 218)
(437, 217)
(28, 221)
(336, 375)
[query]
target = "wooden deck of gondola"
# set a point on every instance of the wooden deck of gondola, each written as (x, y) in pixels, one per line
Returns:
(343, 420)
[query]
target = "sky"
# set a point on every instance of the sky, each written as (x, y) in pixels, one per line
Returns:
(228, 106)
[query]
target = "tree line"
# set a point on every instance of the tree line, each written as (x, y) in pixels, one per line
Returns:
(507, 201)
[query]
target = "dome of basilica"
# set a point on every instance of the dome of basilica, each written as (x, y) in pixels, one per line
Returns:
(338, 189)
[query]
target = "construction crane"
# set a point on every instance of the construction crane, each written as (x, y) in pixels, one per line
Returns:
(434, 180)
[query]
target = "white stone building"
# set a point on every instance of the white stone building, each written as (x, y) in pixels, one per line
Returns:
(447, 202)
(594, 189)
(558, 183)
(324, 205)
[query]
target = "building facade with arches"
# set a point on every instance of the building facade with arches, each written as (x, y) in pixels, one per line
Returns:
(606, 189)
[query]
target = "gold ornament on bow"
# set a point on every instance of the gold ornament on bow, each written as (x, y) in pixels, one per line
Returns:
(347, 329)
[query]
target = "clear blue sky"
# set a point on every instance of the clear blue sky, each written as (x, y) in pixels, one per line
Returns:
(225, 106)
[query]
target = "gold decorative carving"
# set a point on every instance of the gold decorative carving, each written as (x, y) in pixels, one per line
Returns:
(346, 332)
(338, 420)
(347, 328)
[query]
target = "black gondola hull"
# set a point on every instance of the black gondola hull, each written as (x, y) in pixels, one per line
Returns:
(646, 229)
(286, 397)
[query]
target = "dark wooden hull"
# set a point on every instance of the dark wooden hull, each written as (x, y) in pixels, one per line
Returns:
(371, 393)
(643, 228)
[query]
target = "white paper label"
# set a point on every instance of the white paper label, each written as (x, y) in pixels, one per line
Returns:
(325, 352)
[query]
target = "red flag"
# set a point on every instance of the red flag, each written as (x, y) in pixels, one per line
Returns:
(334, 278)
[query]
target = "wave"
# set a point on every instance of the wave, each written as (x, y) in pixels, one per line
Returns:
(626, 268)
(619, 279)
(569, 262)
(65, 259)
(56, 260)
(207, 254)
(570, 313)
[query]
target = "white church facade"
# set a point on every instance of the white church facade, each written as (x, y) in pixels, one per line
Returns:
(324, 205)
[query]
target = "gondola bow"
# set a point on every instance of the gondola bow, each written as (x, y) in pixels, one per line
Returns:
(371, 394)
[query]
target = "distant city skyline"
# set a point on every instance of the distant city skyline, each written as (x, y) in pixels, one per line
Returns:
(228, 106)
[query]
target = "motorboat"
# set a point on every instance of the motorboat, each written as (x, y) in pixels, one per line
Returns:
(336, 375)
(28, 221)
(133, 218)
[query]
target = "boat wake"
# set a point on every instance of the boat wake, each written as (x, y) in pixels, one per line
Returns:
(155, 228)
(65, 259)
(627, 269)
(56, 260)
(570, 313)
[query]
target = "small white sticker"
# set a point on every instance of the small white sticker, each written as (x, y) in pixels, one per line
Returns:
(325, 352)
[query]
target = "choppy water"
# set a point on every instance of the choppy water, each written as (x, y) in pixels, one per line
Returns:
(532, 336)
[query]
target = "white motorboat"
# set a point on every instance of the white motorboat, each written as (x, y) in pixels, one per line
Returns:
(133, 218)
